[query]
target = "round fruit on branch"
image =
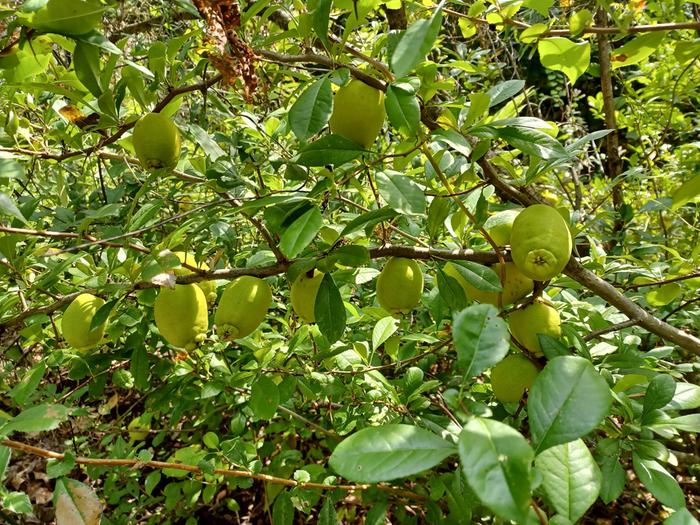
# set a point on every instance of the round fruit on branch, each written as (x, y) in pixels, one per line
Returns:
(242, 308)
(536, 318)
(400, 285)
(540, 242)
(181, 315)
(208, 287)
(303, 295)
(511, 377)
(76, 322)
(515, 287)
(358, 112)
(156, 142)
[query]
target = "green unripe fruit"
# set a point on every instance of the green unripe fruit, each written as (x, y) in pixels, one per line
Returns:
(400, 285)
(68, 17)
(208, 287)
(303, 295)
(139, 427)
(511, 377)
(499, 226)
(540, 242)
(181, 315)
(536, 318)
(515, 287)
(156, 142)
(76, 323)
(358, 112)
(242, 308)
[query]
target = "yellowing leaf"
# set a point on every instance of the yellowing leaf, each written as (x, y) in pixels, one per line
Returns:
(636, 50)
(687, 192)
(561, 54)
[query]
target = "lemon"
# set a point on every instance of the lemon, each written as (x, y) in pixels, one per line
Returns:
(358, 113)
(400, 285)
(499, 226)
(511, 377)
(76, 322)
(243, 307)
(515, 287)
(181, 315)
(536, 318)
(156, 141)
(208, 287)
(303, 295)
(68, 17)
(540, 242)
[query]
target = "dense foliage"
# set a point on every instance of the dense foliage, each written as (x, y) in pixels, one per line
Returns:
(284, 294)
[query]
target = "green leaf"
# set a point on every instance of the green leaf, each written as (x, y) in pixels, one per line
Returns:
(561, 54)
(327, 515)
(637, 50)
(329, 149)
(681, 517)
(612, 479)
(659, 482)
(8, 207)
(496, 460)
(102, 314)
(532, 142)
(401, 193)
(659, 393)
(37, 419)
(368, 220)
(5, 455)
(504, 91)
(21, 392)
(319, 21)
(438, 211)
(567, 401)
(663, 295)
(300, 233)
(330, 310)
(415, 44)
(570, 477)
(17, 502)
(686, 192)
(479, 276)
(388, 452)
(383, 330)
(283, 510)
(86, 61)
(352, 255)
(264, 398)
(76, 503)
(541, 6)
(311, 111)
(451, 291)
(685, 50)
(579, 21)
(402, 108)
(480, 337)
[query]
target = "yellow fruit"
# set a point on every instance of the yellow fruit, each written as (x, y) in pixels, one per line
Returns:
(515, 287)
(358, 113)
(400, 285)
(181, 315)
(139, 427)
(499, 226)
(536, 318)
(208, 287)
(68, 17)
(540, 242)
(242, 308)
(76, 322)
(156, 141)
(303, 295)
(511, 377)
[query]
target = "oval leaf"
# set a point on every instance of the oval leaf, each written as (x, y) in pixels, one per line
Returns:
(496, 460)
(481, 338)
(567, 400)
(388, 452)
(330, 310)
(312, 109)
(76, 503)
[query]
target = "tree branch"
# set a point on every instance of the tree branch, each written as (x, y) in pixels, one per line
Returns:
(135, 463)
